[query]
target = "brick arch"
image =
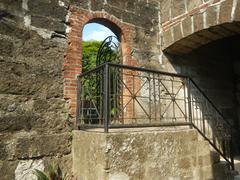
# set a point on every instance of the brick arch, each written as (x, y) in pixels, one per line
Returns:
(211, 21)
(73, 55)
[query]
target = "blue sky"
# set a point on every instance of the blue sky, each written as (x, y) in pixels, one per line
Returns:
(96, 32)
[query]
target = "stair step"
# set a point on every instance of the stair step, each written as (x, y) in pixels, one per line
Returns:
(215, 157)
(237, 163)
(237, 177)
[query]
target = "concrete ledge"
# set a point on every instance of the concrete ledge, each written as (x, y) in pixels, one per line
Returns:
(129, 155)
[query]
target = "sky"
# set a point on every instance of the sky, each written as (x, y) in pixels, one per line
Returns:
(96, 32)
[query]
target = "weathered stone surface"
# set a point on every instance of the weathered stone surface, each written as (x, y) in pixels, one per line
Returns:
(48, 9)
(167, 38)
(178, 8)
(165, 10)
(43, 145)
(131, 155)
(211, 16)
(5, 47)
(198, 22)
(237, 12)
(187, 26)
(193, 4)
(225, 11)
(25, 169)
(7, 169)
(31, 87)
(43, 22)
(177, 32)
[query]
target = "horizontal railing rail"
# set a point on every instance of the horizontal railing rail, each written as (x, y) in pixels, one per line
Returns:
(122, 96)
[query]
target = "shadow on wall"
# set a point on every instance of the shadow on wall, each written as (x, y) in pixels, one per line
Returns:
(215, 69)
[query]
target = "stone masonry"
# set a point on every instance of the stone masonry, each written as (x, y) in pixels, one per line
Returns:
(40, 56)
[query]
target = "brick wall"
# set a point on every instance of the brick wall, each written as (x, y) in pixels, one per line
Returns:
(189, 21)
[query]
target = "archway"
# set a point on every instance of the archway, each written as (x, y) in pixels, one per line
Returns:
(73, 56)
(215, 69)
(100, 45)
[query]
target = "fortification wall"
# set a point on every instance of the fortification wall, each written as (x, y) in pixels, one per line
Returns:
(40, 56)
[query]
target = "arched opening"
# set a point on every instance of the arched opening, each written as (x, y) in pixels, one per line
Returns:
(215, 67)
(95, 34)
(100, 45)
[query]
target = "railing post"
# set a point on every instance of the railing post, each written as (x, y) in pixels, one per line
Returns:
(78, 102)
(231, 151)
(189, 101)
(106, 98)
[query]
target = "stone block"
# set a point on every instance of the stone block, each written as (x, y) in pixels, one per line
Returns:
(177, 32)
(193, 4)
(187, 26)
(117, 4)
(133, 154)
(97, 5)
(167, 38)
(25, 169)
(198, 22)
(48, 10)
(225, 11)
(14, 7)
(10, 29)
(165, 10)
(43, 145)
(237, 12)
(7, 169)
(6, 47)
(49, 24)
(215, 157)
(220, 170)
(212, 16)
(178, 8)
(17, 122)
(119, 13)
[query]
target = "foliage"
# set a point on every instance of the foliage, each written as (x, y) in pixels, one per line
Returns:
(54, 173)
(91, 89)
(90, 50)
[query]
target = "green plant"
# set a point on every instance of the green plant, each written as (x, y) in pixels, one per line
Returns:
(54, 173)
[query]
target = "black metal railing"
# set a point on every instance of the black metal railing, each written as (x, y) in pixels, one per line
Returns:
(120, 96)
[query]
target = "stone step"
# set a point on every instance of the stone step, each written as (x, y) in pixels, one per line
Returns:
(222, 170)
(237, 177)
(237, 163)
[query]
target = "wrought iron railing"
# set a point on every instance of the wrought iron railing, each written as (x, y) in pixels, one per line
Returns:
(120, 96)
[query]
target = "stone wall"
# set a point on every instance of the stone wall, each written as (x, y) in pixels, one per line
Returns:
(188, 24)
(143, 154)
(40, 56)
(33, 114)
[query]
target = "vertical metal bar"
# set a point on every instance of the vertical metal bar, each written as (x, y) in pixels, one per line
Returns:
(154, 96)
(189, 102)
(185, 102)
(122, 94)
(150, 92)
(173, 99)
(106, 97)
(203, 120)
(159, 100)
(133, 99)
(231, 149)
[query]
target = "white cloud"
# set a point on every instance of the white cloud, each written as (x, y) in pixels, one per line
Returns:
(98, 35)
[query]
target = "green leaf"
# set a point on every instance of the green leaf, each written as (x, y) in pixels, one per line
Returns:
(40, 175)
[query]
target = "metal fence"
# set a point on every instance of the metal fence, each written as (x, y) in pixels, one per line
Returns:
(120, 96)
